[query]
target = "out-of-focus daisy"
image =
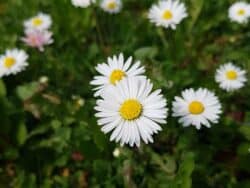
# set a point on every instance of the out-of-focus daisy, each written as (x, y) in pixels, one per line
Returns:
(168, 13)
(37, 39)
(12, 62)
(43, 79)
(116, 152)
(82, 3)
(200, 107)
(80, 102)
(230, 77)
(40, 22)
(114, 71)
(111, 6)
(239, 12)
(131, 111)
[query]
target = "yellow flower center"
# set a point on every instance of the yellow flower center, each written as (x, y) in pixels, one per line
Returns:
(9, 62)
(37, 21)
(131, 109)
(111, 5)
(241, 12)
(196, 107)
(167, 15)
(116, 75)
(231, 75)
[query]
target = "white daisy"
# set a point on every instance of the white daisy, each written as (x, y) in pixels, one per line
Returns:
(82, 3)
(167, 13)
(239, 12)
(12, 62)
(114, 71)
(197, 108)
(230, 77)
(37, 39)
(131, 111)
(40, 22)
(111, 6)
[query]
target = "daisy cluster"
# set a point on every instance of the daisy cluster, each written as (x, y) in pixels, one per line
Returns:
(37, 35)
(127, 105)
(109, 6)
(36, 29)
(129, 109)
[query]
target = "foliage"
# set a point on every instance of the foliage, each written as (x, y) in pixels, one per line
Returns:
(48, 140)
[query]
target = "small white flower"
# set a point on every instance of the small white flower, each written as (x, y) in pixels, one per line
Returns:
(239, 12)
(40, 22)
(131, 111)
(82, 3)
(168, 13)
(197, 108)
(12, 62)
(111, 6)
(37, 39)
(114, 71)
(116, 152)
(43, 79)
(80, 102)
(230, 77)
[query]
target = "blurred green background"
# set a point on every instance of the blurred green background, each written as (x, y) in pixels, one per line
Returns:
(49, 140)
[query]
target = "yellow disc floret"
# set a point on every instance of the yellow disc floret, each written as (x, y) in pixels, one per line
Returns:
(241, 12)
(167, 15)
(116, 75)
(9, 62)
(196, 107)
(111, 5)
(231, 75)
(37, 21)
(131, 109)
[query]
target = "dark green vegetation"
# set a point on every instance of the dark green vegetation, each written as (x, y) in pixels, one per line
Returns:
(48, 140)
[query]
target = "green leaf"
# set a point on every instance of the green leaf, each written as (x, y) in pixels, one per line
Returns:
(146, 52)
(26, 91)
(2, 89)
(21, 134)
(100, 140)
(196, 7)
(244, 149)
(245, 130)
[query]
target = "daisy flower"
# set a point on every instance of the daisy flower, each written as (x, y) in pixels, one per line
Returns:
(82, 3)
(12, 62)
(40, 22)
(131, 111)
(37, 39)
(239, 12)
(168, 13)
(230, 77)
(197, 108)
(111, 6)
(114, 71)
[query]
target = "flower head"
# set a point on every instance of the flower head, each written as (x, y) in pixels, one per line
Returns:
(131, 111)
(40, 22)
(116, 152)
(230, 77)
(114, 71)
(167, 13)
(197, 108)
(111, 6)
(12, 62)
(239, 12)
(82, 3)
(37, 39)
